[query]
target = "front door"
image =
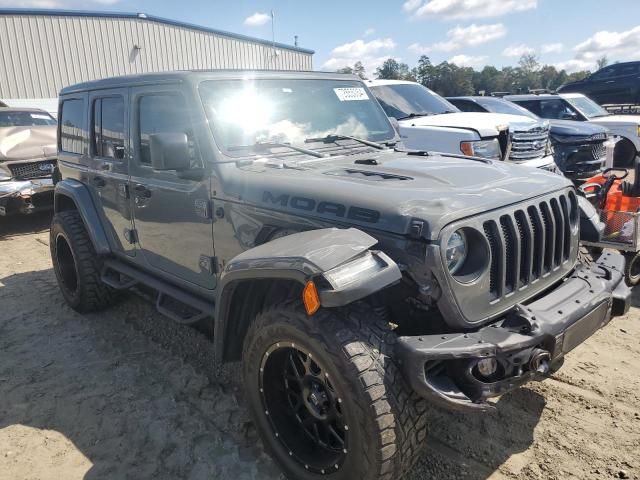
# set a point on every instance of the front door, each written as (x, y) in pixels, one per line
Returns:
(109, 164)
(171, 214)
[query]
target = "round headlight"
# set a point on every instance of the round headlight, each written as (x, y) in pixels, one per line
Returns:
(456, 252)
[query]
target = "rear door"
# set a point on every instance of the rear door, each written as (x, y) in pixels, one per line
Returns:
(110, 157)
(171, 212)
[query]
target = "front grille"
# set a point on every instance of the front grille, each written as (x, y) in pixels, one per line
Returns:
(598, 151)
(528, 244)
(26, 171)
(529, 144)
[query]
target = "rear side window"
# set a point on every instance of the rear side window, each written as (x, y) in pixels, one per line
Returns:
(108, 127)
(161, 113)
(73, 128)
(468, 106)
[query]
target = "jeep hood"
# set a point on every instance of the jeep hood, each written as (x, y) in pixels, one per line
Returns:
(435, 190)
(486, 124)
(27, 143)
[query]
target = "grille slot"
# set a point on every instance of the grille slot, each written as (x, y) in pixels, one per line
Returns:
(527, 145)
(26, 171)
(528, 244)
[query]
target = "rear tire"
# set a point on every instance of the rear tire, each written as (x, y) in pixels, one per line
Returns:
(341, 357)
(632, 269)
(624, 153)
(76, 264)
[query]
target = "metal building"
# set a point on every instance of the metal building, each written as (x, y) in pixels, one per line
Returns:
(42, 51)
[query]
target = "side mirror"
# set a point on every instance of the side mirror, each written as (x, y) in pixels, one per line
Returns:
(169, 151)
(569, 116)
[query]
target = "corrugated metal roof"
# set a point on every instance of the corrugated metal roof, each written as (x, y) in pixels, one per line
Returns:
(152, 18)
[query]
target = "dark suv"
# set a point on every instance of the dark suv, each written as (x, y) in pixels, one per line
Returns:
(355, 281)
(617, 84)
(578, 147)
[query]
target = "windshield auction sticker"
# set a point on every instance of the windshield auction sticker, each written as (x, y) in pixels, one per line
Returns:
(351, 94)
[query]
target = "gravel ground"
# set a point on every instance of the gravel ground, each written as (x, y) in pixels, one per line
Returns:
(128, 394)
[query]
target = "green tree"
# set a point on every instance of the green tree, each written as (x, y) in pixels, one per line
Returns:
(347, 69)
(602, 62)
(358, 69)
(391, 69)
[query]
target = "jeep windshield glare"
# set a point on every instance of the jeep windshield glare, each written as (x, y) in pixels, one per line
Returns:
(411, 100)
(587, 107)
(247, 113)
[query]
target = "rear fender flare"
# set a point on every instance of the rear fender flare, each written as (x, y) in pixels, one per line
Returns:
(70, 190)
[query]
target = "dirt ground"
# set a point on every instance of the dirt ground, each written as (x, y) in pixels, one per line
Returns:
(128, 394)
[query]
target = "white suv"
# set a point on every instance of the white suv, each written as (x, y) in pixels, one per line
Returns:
(429, 122)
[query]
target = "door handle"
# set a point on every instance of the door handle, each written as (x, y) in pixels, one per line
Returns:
(142, 191)
(610, 81)
(99, 182)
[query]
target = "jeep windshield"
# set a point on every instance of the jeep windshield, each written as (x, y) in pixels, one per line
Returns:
(587, 107)
(15, 118)
(408, 100)
(246, 113)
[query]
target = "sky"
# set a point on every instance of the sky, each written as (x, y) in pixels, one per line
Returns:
(570, 34)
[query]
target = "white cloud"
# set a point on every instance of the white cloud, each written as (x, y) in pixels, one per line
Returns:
(517, 50)
(618, 45)
(372, 54)
(369, 31)
(574, 65)
(257, 19)
(467, 60)
(552, 48)
(466, 8)
(460, 37)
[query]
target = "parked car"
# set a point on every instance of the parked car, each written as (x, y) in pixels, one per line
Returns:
(575, 106)
(27, 160)
(354, 280)
(429, 122)
(578, 147)
(617, 84)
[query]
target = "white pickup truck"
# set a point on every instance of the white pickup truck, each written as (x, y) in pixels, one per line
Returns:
(429, 122)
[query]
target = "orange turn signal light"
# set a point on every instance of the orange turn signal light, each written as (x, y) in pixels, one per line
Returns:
(310, 298)
(467, 148)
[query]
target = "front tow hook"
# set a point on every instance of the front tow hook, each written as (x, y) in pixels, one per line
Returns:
(539, 362)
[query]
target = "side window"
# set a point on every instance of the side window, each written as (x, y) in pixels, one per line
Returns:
(108, 127)
(469, 106)
(532, 106)
(73, 128)
(603, 74)
(160, 113)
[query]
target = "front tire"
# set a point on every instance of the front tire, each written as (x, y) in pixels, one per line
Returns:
(624, 153)
(327, 396)
(76, 264)
(632, 269)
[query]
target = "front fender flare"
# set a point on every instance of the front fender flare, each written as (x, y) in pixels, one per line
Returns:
(304, 256)
(79, 194)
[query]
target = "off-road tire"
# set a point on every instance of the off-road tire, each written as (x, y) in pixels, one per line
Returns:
(624, 154)
(632, 269)
(90, 293)
(387, 419)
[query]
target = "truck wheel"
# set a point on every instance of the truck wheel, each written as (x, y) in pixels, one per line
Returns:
(327, 396)
(624, 153)
(632, 269)
(76, 264)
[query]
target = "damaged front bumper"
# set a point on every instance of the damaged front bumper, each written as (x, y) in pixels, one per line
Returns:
(461, 371)
(26, 196)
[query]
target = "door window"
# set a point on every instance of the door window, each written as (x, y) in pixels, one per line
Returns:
(73, 128)
(603, 74)
(163, 113)
(108, 127)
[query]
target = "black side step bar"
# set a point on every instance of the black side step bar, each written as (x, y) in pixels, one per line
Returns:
(171, 302)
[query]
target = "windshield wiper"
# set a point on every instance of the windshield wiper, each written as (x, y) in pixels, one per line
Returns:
(417, 114)
(259, 145)
(334, 138)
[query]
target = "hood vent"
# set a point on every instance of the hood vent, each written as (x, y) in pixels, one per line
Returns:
(366, 175)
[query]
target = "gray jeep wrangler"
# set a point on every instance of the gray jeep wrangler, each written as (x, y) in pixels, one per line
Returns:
(356, 281)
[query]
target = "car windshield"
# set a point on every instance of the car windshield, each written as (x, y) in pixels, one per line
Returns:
(405, 100)
(496, 105)
(246, 113)
(587, 107)
(15, 118)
